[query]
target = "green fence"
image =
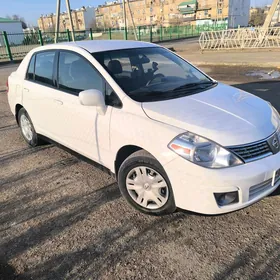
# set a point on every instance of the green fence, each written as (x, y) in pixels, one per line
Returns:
(15, 46)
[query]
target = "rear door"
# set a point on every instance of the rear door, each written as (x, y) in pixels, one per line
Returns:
(39, 92)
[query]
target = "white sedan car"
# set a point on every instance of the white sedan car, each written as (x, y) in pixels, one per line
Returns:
(173, 136)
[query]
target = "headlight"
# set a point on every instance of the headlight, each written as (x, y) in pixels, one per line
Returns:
(276, 112)
(278, 115)
(203, 151)
(273, 108)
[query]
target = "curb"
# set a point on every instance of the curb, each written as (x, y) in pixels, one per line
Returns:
(8, 62)
(3, 89)
(175, 40)
(241, 64)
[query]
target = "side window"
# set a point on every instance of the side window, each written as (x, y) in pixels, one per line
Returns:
(30, 70)
(44, 67)
(76, 74)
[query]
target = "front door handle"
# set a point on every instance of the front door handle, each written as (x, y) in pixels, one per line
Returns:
(26, 89)
(59, 102)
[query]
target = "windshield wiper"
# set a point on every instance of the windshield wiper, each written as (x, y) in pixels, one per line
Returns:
(142, 96)
(194, 85)
(145, 93)
(154, 95)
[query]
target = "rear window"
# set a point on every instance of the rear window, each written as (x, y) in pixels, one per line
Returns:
(44, 67)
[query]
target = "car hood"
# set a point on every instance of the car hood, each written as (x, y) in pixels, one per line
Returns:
(224, 114)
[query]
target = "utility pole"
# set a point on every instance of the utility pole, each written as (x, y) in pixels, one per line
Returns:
(161, 13)
(57, 21)
(132, 21)
(70, 19)
(268, 19)
(151, 13)
(278, 18)
(124, 19)
(58, 18)
(270, 14)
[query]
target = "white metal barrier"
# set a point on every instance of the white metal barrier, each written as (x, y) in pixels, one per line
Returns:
(241, 38)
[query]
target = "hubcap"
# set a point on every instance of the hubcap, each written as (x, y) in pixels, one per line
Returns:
(26, 127)
(147, 187)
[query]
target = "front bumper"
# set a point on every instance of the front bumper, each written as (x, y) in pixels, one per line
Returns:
(194, 186)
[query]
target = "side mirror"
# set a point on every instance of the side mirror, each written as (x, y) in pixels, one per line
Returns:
(93, 97)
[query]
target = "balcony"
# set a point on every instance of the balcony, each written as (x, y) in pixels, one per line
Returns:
(188, 7)
(186, 19)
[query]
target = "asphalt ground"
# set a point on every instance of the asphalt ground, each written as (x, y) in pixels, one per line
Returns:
(61, 218)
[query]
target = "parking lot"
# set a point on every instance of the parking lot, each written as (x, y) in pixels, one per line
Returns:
(61, 218)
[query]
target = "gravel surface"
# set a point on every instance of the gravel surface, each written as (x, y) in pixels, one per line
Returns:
(61, 218)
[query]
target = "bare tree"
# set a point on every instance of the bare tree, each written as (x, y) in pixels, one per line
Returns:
(258, 17)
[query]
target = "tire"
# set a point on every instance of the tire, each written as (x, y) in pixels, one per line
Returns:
(145, 185)
(27, 129)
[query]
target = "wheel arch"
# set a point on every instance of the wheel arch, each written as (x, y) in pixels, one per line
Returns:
(122, 154)
(18, 107)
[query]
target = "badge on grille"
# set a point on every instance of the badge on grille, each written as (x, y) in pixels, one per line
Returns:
(275, 142)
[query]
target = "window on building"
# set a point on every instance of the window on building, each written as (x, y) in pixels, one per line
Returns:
(220, 11)
(206, 13)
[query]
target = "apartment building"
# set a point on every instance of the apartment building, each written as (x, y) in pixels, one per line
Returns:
(170, 12)
(83, 18)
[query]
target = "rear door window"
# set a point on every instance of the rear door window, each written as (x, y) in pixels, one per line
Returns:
(30, 70)
(44, 67)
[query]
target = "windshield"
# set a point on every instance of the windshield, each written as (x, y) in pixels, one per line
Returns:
(153, 74)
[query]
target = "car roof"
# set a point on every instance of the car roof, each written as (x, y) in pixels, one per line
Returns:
(94, 46)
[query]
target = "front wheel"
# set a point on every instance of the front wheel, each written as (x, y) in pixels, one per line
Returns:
(145, 185)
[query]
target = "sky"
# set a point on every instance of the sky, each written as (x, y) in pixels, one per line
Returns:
(32, 9)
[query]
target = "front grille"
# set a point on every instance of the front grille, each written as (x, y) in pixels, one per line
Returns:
(260, 188)
(253, 151)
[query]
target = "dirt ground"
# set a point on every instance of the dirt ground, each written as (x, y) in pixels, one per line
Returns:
(61, 218)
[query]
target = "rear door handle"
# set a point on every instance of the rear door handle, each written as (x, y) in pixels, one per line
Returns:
(59, 102)
(26, 89)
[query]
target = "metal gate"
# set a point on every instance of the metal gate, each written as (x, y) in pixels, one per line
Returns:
(241, 38)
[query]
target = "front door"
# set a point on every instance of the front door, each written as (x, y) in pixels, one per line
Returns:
(80, 127)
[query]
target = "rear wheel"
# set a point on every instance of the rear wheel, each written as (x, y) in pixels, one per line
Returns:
(27, 129)
(145, 185)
